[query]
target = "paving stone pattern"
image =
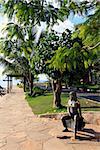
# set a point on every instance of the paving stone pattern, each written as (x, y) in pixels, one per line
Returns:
(20, 129)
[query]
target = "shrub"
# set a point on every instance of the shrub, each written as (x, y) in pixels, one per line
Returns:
(37, 91)
(20, 85)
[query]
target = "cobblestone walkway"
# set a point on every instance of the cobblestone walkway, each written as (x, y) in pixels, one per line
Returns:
(20, 129)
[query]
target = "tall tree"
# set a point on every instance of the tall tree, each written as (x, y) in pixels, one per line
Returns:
(90, 34)
(60, 56)
(25, 15)
(15, 63)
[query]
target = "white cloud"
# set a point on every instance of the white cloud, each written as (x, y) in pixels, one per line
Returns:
(62, 26)
(1, 70)
(40, 29)
(43, 77)
(3, 22)
(59, 27)
(55, 3)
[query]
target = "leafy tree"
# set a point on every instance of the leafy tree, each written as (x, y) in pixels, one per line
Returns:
(69, 55)
(14, 62)
(60, 57)
(20, 36)
(25, 15)
(89, 33)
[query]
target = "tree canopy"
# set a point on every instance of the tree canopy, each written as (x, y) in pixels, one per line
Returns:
(53, 54)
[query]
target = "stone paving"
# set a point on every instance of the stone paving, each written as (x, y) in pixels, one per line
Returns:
(20, 129)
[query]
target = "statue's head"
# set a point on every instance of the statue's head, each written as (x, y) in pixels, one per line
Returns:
(73, 96)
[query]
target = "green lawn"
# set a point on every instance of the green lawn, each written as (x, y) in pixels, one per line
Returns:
(43, 104)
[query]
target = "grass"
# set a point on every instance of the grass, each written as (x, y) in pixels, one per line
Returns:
(43, 104)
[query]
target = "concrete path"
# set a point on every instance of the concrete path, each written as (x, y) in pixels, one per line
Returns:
(91, 96)
(20, 129)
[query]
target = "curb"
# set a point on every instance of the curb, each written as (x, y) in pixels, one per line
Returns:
(90, 117)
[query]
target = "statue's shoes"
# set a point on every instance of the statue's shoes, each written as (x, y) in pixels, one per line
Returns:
(66, 130)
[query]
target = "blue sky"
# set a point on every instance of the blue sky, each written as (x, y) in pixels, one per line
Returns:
(77, 19)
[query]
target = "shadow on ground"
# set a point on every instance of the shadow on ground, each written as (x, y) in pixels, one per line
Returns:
(84, 135)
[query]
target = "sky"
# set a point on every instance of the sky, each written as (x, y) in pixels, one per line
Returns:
(59, 27)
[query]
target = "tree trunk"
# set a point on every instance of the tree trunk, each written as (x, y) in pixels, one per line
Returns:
(31, 89)
(24, 84)
(56, 86)
(30, 82)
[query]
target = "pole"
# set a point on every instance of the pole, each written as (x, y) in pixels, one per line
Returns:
(24, 84)
(8, 85)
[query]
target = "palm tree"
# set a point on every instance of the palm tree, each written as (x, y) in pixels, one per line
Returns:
(16, 53)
